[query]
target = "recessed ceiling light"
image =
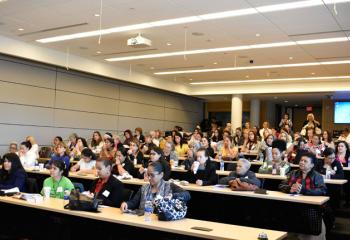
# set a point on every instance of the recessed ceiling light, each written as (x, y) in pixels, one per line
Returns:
(290, 58)
(226, 49)
(20, 29)
(312, 73)
(195, 18)
(257, 35)
(169, 44)
(215, 63)
(247, 76)
(98, 52)
(151, 68)
(272, 80)
(254, 67)
(190, 79)
(97, 15)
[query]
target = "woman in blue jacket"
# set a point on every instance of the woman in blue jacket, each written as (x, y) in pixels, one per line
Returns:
(12, 173)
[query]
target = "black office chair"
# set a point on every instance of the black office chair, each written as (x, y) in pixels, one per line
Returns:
(32, 185)
(127, 194)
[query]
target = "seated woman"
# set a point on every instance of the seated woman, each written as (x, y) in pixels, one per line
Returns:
(306, 180)
(57, 182)
(243, 173)
(128, 137)
(157, 186)
(108, 150)
(55, 142)
(87, 162)
(252, 146)
(148, 145)
(170, 155)
(12, 173)
(285, 137)
(300, 149)
(278, 165)
(96, 144)
(205, 144)
(238, 139)
(331, 167)
(180, 146)
(138, 135)
(227, 151)
(13, 148)
(135, 155)
(342, 153)
(61, 154)
(266, 149)
(190, 157)
(327, 139)
(27, 157)
(35, 146)
(316, 147)
(107, 188)
(156, 155)
(72, 141)
(203, 171)
(123, 164)
(80, 145)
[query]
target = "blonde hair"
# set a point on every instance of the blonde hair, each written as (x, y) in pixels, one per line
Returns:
(310, 115)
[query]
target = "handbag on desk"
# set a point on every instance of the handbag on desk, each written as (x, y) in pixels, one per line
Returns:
(170, 209)
(238, 185)
(81, 202)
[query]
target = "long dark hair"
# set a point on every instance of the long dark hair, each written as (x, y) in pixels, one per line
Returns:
(347, 153)
(95, 143)
(16, 165)
(181, 139)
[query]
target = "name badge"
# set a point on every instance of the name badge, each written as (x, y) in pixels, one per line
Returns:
(106, 193)
(274, 171)
(59, 189)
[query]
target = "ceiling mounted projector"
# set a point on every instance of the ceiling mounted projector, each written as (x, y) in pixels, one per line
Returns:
(139, 42)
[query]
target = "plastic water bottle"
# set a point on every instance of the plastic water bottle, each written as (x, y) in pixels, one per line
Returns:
(66, 196)
(176, 162)
(135, 161)
(261, 157)
(148, 210)
(328, 174)
(262, 236)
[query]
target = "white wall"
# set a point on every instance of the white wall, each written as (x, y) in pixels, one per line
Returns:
(45, 101)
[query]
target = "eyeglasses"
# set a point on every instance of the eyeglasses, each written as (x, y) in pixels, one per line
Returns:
(152, 175)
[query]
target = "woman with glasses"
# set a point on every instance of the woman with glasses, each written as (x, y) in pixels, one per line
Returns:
(156, 155)
(107, 188)
(157, 187)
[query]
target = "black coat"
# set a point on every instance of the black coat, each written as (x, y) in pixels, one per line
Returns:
(112, 192)
(207, 175)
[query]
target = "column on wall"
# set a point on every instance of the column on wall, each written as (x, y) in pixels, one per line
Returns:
(255, 112)
(236, 110)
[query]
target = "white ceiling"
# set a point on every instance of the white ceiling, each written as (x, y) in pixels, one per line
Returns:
(299, 24)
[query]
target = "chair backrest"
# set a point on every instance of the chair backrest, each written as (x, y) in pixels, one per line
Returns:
(45, 152)
(32, 185)
(79, 186)
(127, 194)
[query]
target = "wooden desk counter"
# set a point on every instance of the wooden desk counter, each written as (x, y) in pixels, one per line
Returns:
(183, 227)
(272, 195)
(279, 177)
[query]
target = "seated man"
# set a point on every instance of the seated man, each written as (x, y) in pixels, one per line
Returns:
(305, 180)
(243, 173)
(278, 165)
